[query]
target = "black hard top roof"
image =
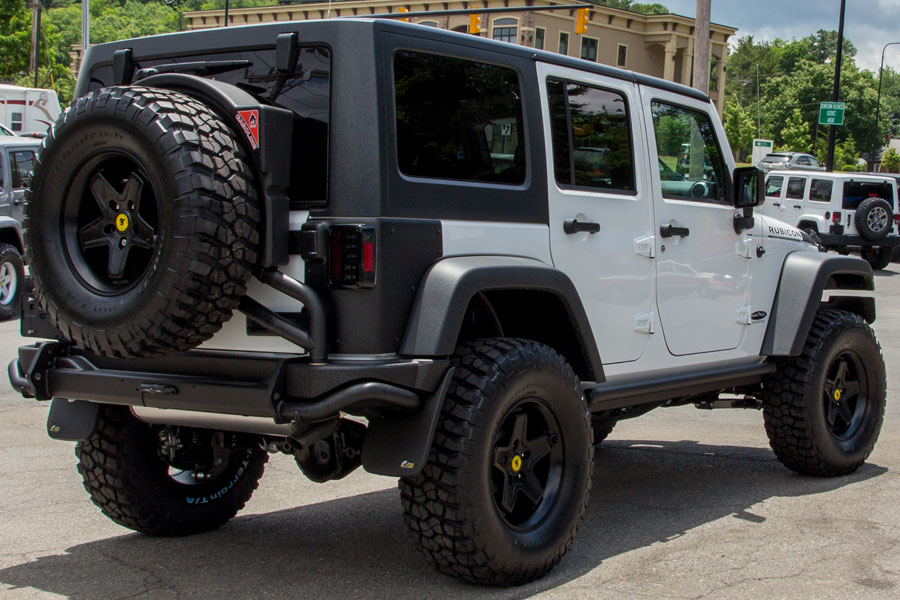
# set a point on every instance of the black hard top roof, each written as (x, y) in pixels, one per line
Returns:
(221, 39)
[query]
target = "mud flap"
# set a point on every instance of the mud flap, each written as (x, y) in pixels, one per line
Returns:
(398, 445)
(72, 420)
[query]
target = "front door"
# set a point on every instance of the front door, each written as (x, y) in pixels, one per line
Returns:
(600, 219)
(702, 265)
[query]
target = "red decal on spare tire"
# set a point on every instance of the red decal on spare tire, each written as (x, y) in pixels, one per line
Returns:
(249, 120)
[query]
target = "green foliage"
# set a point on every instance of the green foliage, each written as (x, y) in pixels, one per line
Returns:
(890, 161)
(846, 156)
(795, 135)
(641, 7)
(740, 128)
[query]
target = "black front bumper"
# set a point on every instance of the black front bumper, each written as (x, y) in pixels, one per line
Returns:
(283, 387)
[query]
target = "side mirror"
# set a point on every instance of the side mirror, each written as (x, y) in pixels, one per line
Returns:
(748, 188)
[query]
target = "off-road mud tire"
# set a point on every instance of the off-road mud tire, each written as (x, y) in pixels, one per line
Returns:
(128, 480)
(451, 507)
(195, 223)
(12, 276)
(795, 407)
(878, 257)
(602, 428)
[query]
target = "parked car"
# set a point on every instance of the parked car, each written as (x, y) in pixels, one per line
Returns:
(841, 211)
(790, 160)
(241, 236)
(17, 156)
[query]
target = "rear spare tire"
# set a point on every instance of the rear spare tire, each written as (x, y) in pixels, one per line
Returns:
(874, 218)
(142, 222)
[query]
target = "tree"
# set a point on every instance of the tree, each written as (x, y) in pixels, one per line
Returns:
(890, 161)
(795, 134)
(641, 7)
(740, 129)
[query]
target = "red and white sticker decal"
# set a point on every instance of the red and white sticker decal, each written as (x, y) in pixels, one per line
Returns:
(249, 120)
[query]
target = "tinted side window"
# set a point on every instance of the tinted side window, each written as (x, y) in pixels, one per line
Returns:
(773, 186)
(820, 190)
(796, 187)
(686, 144)
(20, 162)
(591, 137)
(458, 119)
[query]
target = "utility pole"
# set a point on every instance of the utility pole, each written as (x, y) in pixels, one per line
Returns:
(85, 26)
(33, 64)
(701, 47)
(758, 120)
(836, 91)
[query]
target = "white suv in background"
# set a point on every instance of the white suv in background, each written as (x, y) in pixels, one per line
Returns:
(841, 211)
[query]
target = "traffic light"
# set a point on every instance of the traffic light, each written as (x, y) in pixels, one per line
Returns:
(403, 9)
(474, 23)
(581, 20)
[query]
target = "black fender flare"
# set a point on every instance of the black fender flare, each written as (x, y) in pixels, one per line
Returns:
(450, 284)
(805, 276)
(270, 149)
(10, 224)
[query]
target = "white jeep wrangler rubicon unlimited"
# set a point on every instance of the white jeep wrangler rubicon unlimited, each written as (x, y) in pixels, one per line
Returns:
(839, 211)
(240, 237)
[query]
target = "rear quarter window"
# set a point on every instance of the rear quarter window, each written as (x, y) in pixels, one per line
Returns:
(458, 119)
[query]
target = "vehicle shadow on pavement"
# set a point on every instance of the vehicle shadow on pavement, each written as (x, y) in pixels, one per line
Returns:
(644, 493)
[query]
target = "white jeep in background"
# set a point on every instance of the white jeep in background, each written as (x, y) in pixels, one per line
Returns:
(840, 211)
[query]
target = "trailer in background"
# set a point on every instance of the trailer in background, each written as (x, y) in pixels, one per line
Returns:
(28, 110)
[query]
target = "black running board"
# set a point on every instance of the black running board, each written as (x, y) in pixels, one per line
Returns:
(612, 396)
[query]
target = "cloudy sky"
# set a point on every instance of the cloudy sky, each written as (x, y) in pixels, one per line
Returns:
(869, 24)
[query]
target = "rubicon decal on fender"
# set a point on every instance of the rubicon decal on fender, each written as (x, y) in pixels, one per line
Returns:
(249, 120)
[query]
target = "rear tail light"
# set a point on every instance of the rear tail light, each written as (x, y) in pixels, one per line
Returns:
(836, 217)
(352, 256)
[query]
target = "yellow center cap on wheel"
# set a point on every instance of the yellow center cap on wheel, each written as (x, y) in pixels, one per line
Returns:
(516, 463)
(837, 395)
(122, 222)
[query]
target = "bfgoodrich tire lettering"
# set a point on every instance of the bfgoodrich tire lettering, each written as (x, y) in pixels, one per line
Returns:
(823, 409)
(131, 482)
(141, 224)
(507, 479)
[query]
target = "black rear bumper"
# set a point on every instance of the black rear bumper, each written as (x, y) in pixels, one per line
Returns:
(835, 241)
(283, 387)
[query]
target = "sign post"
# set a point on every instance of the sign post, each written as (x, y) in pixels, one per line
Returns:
(831, 113)
(760, 149)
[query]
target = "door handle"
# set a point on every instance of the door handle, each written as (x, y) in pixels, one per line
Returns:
(776, 204)
(670, 230)
(798, 206)
(571, 226)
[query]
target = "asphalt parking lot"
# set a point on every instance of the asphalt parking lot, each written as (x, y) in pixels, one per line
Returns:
(685, 504)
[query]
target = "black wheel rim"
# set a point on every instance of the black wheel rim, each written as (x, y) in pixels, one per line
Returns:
(111, 223)
(527, 464)
(845, 396)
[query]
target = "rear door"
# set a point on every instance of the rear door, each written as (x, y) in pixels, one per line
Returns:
(600, 214)
(702, 265)
(794, 199)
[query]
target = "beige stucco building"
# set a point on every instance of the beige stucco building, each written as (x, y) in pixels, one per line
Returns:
(658, 45)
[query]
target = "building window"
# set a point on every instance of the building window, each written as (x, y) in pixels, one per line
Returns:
(591, 137)
(458, 119)
(589, 49)
(622, 58)
(15, 121)
(428, 23)
(539, 38)
(713, 73)
(564, 43)
(505, 30)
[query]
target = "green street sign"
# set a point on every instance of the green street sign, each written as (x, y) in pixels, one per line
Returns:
(831, 113)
